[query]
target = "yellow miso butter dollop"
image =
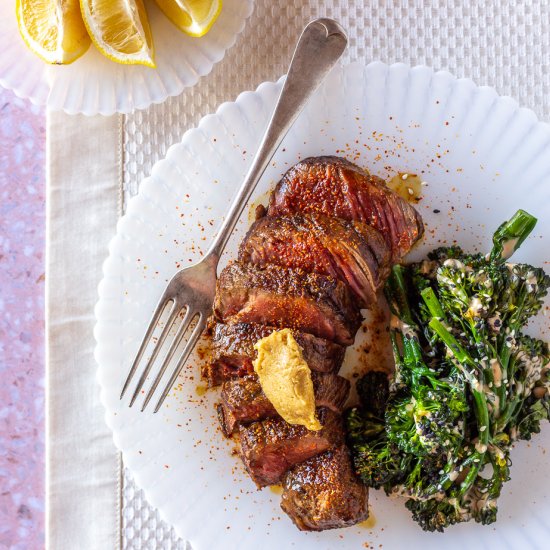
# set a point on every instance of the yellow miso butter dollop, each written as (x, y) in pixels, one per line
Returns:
(285, 378)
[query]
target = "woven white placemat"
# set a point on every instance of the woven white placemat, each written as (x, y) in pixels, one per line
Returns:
(504, 44)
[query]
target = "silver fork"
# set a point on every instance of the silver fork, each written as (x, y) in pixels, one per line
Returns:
(193, 289)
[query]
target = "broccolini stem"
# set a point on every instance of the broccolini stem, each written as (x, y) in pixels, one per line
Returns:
(412, 351)
(395, 348)
(480, 401)
(478, 460)
(515, 325)
(506, 416)
(513, 401)
(411, 359)
(482, 414)
(431, 300)
(507, 239)
(396, 293)
(504, 360)
(473, 472)
(461, 355)
(510, 412)
(510, 235)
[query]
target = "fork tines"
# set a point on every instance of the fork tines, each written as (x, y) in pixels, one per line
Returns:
(173, 309)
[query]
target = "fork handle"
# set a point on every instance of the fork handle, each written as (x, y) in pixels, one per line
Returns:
(320, 46)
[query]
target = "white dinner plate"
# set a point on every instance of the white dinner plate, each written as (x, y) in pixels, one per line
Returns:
(482, 157)
(95, 85)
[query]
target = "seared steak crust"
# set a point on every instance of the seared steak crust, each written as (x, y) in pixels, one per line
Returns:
(324, 492)
(283, 297)
(351, 252)
(243, 401)
(233, 351)
(336, 187)
(271, 447)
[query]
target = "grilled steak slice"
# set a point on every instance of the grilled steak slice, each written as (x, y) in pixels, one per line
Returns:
(271, 447)
(290, 298)
(324, 492)
(233, 351)
(351, 252)
(243, 401)
(336, 187)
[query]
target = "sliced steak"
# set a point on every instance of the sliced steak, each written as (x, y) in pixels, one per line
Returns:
(324, 492)
(287, 298)
(336, 187)
(233, 351)
(271, 447)
(352, 252)
(243, 401)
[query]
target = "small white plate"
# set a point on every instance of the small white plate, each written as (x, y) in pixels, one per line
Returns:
(482, 157)
(95, 85)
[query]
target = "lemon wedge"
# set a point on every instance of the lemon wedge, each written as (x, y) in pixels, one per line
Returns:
(53, 29)
(193, 17)
(120, 30)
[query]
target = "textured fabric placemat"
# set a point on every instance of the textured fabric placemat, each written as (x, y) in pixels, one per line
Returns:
(501, 44)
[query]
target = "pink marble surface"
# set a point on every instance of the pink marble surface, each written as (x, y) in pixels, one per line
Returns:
(22, 220)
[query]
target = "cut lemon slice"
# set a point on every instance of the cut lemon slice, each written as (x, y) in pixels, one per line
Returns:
(120, 30)
(193, 17)
(53, 29)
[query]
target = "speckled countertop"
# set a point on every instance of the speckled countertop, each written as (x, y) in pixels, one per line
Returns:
(22, 229)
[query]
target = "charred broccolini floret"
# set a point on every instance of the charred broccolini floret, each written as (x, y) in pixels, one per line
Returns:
(468, 381)
(434, 514)
(424, 422)
(378, 463)
(373, 391)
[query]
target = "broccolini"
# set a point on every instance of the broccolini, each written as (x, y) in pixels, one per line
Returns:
(468, 381)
